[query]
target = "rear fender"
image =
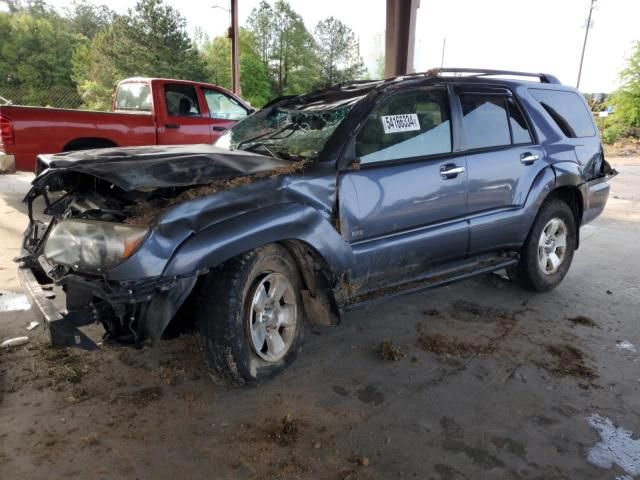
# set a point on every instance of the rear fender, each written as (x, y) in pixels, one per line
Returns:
(278, 223)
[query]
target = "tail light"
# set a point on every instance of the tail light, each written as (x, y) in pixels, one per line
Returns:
(6, 131)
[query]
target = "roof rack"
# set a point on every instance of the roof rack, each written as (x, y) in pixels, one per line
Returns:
(481, 72)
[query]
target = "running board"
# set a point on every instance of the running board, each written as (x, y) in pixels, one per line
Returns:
(433, 280)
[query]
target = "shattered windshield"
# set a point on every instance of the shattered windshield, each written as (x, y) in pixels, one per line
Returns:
(297, 128)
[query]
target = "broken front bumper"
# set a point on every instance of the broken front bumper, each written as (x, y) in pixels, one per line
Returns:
(139, 310)
(61, 328)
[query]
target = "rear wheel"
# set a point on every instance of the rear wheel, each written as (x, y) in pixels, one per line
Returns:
(548, 252)
(250, 322)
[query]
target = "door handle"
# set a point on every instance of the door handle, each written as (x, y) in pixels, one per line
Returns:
(216, 128)
(528, 158)
(450, 171)
(171, 125)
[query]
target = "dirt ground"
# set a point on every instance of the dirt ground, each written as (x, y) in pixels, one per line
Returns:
(474, 380)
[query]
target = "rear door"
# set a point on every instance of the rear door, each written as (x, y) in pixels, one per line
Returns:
(182, 120)
(403, 210)
(502, 162)
(223, 111)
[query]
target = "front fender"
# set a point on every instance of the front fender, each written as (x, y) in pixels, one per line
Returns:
(218, 243)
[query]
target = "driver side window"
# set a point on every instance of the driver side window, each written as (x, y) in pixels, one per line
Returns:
(406, 125)
(181, 100)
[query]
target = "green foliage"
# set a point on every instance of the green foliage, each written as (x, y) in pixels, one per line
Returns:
(254, 76)
(338, 52)
(626, 100)
(150, 41)
(86, 49)
(35, 57)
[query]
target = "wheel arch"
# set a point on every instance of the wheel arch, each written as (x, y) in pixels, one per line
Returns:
(87, 143)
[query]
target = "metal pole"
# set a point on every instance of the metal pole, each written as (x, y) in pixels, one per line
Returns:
(584, 44)
(235, 49)
(444, 45)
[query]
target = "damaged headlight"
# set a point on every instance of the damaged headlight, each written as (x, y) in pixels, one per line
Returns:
(92, 246)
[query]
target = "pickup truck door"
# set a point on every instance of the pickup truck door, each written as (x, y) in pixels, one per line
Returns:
(403, 208)
(223, 111)
(181, 119)
(503, 160)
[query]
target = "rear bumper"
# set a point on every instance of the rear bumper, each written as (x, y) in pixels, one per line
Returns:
(7, 162)
(596, 194)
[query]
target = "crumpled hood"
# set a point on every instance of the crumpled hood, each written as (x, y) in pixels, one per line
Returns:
(142, 168)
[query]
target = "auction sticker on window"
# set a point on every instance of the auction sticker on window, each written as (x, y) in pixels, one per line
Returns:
(400, 123)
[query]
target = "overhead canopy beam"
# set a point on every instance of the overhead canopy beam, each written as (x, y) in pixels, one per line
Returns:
(400, 36)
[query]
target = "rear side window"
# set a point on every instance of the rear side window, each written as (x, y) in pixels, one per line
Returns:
(485, 120)
(519, 129)
(134, 96)
(406, 125)
(181, 100)
(568, 111)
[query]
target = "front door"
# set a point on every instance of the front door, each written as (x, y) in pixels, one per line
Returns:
(403, 210)
(223, 110)
(183, 121)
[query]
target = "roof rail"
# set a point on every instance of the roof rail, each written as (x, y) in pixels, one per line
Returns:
(543, 77)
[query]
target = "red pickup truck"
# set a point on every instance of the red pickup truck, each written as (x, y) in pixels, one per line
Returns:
(146, 111)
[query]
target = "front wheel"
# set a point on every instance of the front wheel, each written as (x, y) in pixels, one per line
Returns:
(548, 252)
(250, 322)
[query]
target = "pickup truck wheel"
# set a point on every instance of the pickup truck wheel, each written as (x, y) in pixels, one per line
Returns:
(250, 323)
(548, 252)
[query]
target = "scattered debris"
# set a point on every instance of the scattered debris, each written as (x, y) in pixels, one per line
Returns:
(91, 439)
(141, 397)
(32, 325)
(609, 292)
(286, 432)
(616, 447)
(441, 345)
(431, 312)
(12, 302)
(626, 345)
(371, 394)
(583, 320)
(569, 361)
(145, 212)
(391, 352)
(14, 342)
(359, 459)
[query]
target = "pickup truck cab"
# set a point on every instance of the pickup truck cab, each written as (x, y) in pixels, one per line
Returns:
(146, 111)
(317, 204)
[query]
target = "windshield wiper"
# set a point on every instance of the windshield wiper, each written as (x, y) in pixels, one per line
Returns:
(268, 135)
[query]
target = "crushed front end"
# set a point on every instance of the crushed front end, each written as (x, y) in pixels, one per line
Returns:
(77, 234)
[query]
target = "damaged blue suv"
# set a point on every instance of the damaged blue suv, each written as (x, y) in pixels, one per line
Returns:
(314, 205)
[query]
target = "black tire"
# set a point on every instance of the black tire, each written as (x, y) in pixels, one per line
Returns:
(529, 273)
(224, 316)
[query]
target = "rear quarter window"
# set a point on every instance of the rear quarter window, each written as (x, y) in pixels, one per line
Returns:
(567, 110)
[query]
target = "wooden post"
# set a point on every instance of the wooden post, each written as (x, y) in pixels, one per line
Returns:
(235, 49)
(400, 36)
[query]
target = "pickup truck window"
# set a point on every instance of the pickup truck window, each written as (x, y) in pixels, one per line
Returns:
(567, 110)
(485, 120)
(181, 100)
(223, 107)
(406, 125)
(134, 96)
